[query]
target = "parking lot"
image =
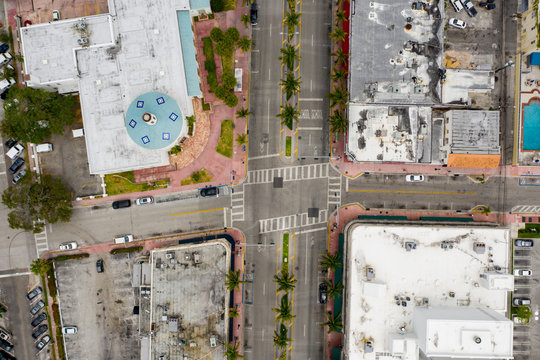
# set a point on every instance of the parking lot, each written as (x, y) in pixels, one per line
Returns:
(527, 337)
(101, 306)
(69, 161)
(40, 11)
(17, 318)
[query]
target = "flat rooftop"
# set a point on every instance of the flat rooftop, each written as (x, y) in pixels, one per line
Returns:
(389, 133)
(189, 300)
(427, 275)
(474, 132)
(392, 64)
(145, 55)
(461, 84)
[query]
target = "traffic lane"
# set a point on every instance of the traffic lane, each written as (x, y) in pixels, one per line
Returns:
(93, 225)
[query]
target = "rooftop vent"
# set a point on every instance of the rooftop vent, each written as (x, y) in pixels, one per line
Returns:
(82, 41)
(410, 245)
(479, 247)
(477, 339)
(81, 25)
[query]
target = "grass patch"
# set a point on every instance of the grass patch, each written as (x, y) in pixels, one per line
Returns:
(71, 257)
(229, 5)
(210, 64)
(197, 177)
(122, 183)
(126, 250)
(285, 256)
(530, 231)
(225, 144)
(288, 144)
(59, 335)
(205, 106)
(227, 61)
(51, 283)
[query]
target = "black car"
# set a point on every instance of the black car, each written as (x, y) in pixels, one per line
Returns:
(5, 345)
(322, 293)
(99, 266)
(4, 48)
(4, 94)
(16, 165)
(253, 13)
(524, 243)
(35, 292)
(121, 204)
(39, 331)
(10, 143)
(38, 320)
(5, 356)
(209, 191)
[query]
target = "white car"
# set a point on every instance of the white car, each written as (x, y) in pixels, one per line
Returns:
(122, 239)
(460, 24)
(458, 6)
(144, 200)
(522, 272)
(68, 246)
(414, 178)
(69, 330)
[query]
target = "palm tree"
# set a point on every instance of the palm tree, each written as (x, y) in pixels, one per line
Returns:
(338, 97)
(288, 56)
(339, 74)
(247, 2)
(241, 139)
(231, 352)
(245, 43)
(338, 122)
(245, 19)
(291, 3)
(338, 34)
(340, 16)
(330, 261)
(243, 113)
(291, 84)
(333, 322)
(288, 114)
(340, 56)
(280, 338)
(233, 313)
(40, 266)
(285, 281)
(291, 19)
(284, 311)
(333, 290)
(233, 280)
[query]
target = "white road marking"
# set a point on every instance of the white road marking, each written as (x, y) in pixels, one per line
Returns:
(310, 99)
(311, 40)
(262, 157)
(270, 29)
(304, 330)
(269, 73)
(15, 274)
(313, 128)
(311, 85)
(306, 269)
(264, 289)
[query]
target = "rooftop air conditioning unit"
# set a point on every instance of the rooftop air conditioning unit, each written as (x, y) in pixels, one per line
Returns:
(82, 41)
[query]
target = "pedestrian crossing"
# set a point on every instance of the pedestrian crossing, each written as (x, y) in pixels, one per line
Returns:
(290, 173)
(237, 205)
(334, 193)
(291, 221)
(41, 242)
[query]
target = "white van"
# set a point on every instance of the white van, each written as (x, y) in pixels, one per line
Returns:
(122, 239)
(43, 148)
(15, 151)
(6, 83)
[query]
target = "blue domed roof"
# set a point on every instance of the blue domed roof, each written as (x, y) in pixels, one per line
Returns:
(169, 120)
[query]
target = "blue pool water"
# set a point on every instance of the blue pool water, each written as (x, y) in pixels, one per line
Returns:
(531, 126)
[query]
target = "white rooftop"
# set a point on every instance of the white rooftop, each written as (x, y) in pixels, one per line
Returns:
(144, 55)
(388, 133)
(463, 332)
(460, 83)
(427, 275)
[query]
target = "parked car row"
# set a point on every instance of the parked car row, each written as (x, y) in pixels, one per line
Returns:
(14, 150)
(209, 191)
(6, 347)
(5, 58)
(459, 5)
(39, 329)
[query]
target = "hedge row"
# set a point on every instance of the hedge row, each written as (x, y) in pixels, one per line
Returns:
(126, 250)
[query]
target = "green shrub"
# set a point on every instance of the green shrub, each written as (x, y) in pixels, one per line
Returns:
(205, 106)
(217, 5)
(231, 100)
(71, 257)
(221, 92)
(228, 80)
(224, 47)
(232, 33)
(126, 250)
(51, 283)
(210, 65)
(216, 34)
(176, 149)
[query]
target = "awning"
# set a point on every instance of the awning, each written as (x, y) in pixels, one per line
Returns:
(473, 161)
(534, 58)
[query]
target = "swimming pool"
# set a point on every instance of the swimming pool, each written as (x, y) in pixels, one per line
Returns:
(531, 126)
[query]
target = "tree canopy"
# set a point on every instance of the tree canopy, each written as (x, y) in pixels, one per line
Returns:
(36, 200)
(32, 115)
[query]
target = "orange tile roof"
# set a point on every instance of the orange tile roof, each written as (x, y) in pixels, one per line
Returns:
(473, 161)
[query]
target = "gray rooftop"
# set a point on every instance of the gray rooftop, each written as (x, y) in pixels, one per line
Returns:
(145, 55)
(189, 301)
(388, 63)
(473, 132)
